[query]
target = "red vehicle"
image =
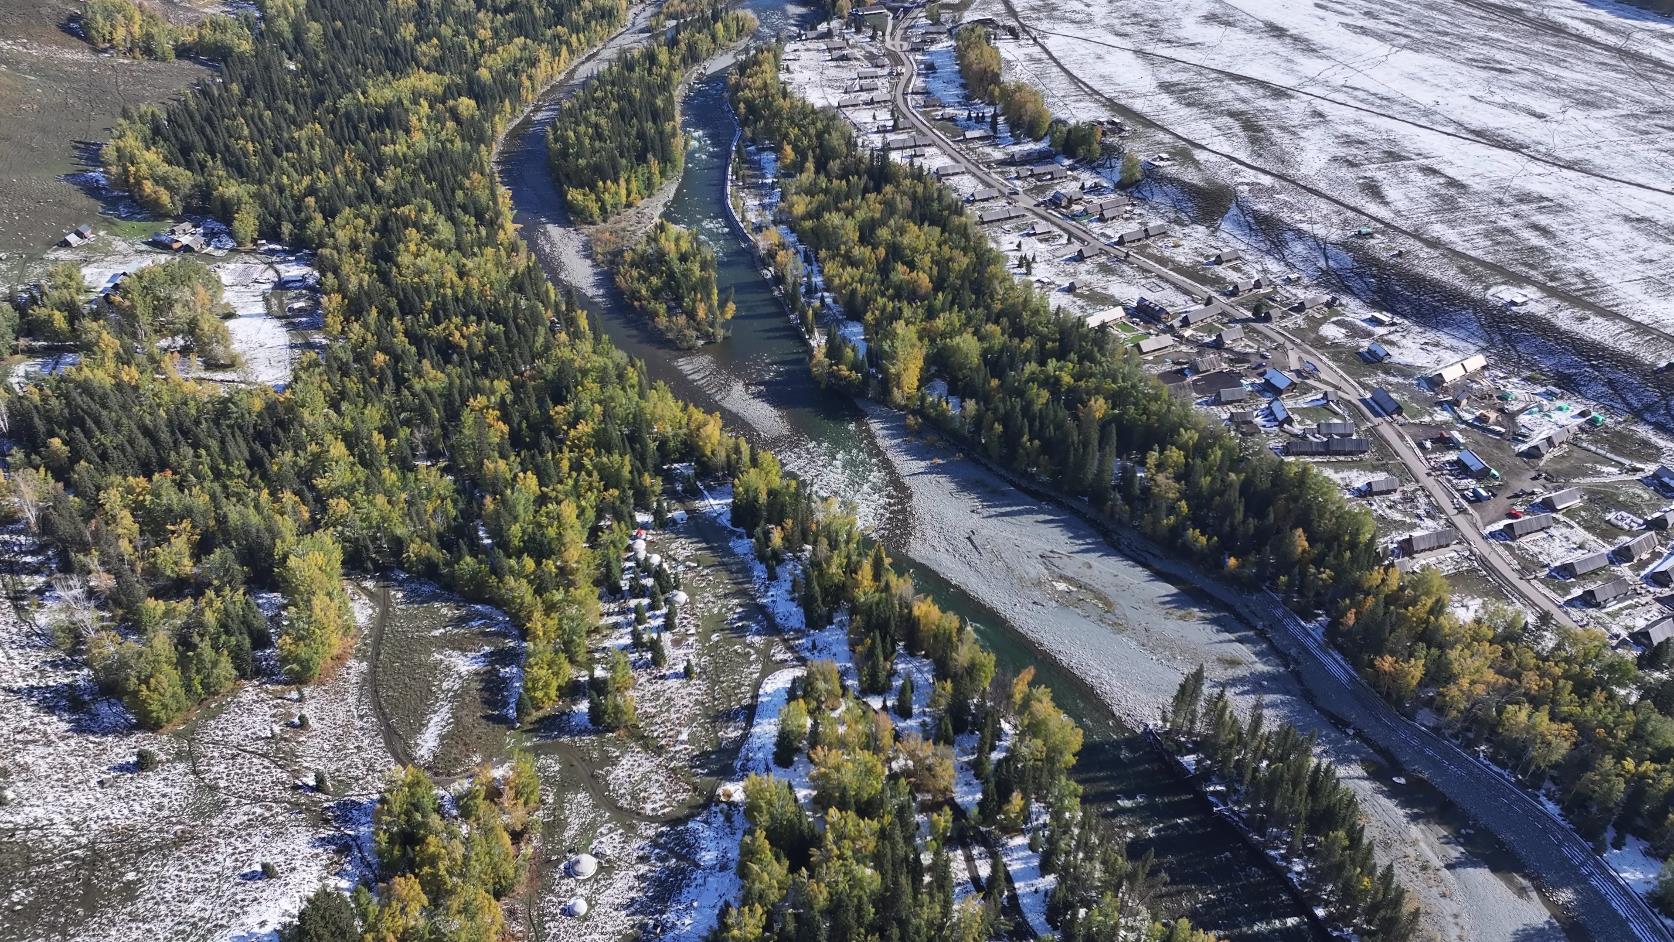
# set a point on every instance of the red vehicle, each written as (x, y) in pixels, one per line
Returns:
(1514, 513)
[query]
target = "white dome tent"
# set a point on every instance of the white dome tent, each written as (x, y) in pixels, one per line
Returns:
(582, 866)
(576, 907)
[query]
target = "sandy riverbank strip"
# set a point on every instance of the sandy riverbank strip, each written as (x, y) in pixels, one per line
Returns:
(1132, 635)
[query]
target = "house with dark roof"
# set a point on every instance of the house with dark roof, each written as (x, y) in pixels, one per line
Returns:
(1473, 465)
(1662, 573)
(1416, 543)
(998, 214)
(1385, 403)
(1635, 548)
(1151, 310)
(1534, 523)
(1210, 384)
(1329, 448)
(1663, 477)
(1277, 382)
(1605, 592)
(1130, 237)
(1653, 633)
(1581, 565)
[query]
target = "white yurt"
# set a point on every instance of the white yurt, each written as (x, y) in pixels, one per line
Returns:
(576, 907)
(653, 561)
(679, 598)
(582, 866)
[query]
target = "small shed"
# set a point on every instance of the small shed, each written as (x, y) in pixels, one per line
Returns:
(1375, 353)
(1377, 487)
(1548, 443)
(1232, 394)
(1226, 257)
(1154, 344)
(1334, 428)
(1660, 520)
(1312, 301)
(1281, 414)
(1562, 500)
(1416, 543)
(1230, 335)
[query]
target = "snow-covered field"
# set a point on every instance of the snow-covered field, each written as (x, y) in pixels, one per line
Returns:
(267, 345)
(1531, 137)
(92, 848)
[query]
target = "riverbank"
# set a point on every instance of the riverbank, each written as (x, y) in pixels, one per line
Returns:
(1132, 635)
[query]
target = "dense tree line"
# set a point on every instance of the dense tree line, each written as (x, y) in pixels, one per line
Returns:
(669, 279)
(1287, 796)
(464, 423)
(443, 867)
(1555, 705)
(871, 781)
(1065, 404)
(1022, 105)
(132, 28)
(619, 138)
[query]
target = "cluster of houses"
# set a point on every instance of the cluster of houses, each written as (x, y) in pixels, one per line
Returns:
(78, 236)
(180, 237)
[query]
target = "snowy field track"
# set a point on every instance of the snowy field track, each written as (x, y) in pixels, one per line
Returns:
(1529, 142)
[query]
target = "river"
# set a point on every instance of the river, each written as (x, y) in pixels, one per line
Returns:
(758, 380)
